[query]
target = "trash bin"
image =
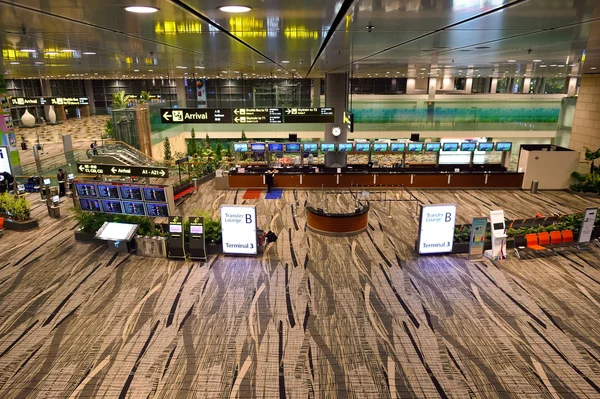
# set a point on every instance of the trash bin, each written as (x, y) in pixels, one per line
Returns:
(534, 187)
(196, 183)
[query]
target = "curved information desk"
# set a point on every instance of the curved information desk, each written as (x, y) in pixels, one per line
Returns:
(296, 178)
(323, 222)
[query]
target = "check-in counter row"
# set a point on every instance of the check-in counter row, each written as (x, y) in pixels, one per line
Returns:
(474, 180)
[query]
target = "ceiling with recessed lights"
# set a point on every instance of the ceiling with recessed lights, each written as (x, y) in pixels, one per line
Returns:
(299, 38)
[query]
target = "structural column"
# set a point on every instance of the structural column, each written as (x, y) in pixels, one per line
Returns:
(526, 85)
(336, 95)
(46, 92)
(431, 88)
(469, 85)
(494, 86)
(181, 93)
(572, 88)
(316, 92)
(89, 93)
(586, 123)
(410, 86)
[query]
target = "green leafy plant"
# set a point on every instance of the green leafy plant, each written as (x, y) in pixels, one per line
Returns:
(120, 100)
(16, 207)
(592, 156)
(586, 183)
(208, 143)
(244, 135)
(90, 222)
(144, 97)
(108, 129)
(192, 147)
(219, 150)
(212, 227)
(167, 149)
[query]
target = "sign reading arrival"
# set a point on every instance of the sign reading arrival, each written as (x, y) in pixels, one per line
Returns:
(436, 228)
(30, 101)
(238, 224)
(122, 170)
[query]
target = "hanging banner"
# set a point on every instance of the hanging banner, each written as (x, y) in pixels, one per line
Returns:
(587, 225)
(477, 240)
(201, 101)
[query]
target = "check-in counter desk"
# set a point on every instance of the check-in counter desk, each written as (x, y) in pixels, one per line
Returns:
(305, 178)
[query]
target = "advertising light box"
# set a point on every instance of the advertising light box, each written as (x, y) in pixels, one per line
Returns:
(436, 229)
(238, 223)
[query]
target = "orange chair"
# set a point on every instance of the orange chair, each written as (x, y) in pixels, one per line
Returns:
(567, 236)
(544, 238)
(532, 242)
(555, 237)
(1, 223)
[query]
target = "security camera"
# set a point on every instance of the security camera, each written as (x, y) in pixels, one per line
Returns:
(370, 27)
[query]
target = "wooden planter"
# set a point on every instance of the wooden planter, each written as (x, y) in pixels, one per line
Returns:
(18, 225)
(214, 248)
(151, 247)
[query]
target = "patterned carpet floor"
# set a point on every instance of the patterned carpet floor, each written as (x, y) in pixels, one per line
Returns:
(313, 317)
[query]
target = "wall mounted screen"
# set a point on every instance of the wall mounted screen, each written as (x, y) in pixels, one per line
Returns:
(131, 193)
(257, 147)
(108, 191)
(467, 146)
(415, 147)
(433, 147)
(398, 147)
(86, 190)
(153, 194)
(380, 147)
(450, 147)
(310, 147)
(485, 146)
(92, 205)
(112, 206)
(327, 147)
(292, 147)
(134, 208)
(240, 147)
(362, 147)
(344, 147)
(503, 146)
(276, 147)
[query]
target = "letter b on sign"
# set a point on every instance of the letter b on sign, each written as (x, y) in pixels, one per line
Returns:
(448, 217)
(248, 218)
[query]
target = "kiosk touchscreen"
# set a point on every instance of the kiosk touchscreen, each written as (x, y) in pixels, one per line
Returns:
(498, 227)
(70, 176)
(240, 147)
(257, 147)
(292, 147)
(450, 147)
(503, 146)
(310, 147)
(327, 147)
(197, 242)
(46, 182)
(55, 200)
(86, 190)
(467, 146)
(433, 147)
(153, 194)
(485, 146)
(131, 193)
(398, 147)
(157, 210)
(134, 208)
(106, 191)
(92, 205)
(275, 147)
(362, 147)
(118, 235)
(111, 206)
(175, 241)
(345, 147)
(380, 147)
(415, 147)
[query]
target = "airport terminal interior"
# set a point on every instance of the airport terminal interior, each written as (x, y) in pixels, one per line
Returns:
(292, 199)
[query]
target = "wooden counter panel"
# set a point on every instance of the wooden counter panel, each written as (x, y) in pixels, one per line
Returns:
(243, 180)
(340, 225)
(467, 181)
(347, 180)
(437, 180)
(393, 180)
(318, 179)
(500, 180)
(286, 181)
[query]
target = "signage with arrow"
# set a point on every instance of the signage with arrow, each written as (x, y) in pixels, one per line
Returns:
(247, 115)
(309, 115)
(122, 170)
(257, 115)
(193, 115)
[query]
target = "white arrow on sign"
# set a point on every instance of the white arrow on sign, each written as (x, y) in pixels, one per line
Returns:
(236, 119)
(114, 170)
(166, 115)
(235, 111)
(162, 172)
(81, 168)
(288, 111)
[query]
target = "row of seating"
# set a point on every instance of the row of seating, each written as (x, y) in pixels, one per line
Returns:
(518, 223)
(548, 240)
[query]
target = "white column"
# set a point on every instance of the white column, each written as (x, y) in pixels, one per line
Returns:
(494, 86)
(448, 84)
(572, 89)
(526, 85)
(410, 86)
(181, 97)
(469, 85)
(432, 86)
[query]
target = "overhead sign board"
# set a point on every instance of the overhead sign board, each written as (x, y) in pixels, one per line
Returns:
(193, 115)
(246, 116)
(309, 115)
(587, 225)
(436, 228)
(238, 224)
(122, 170)
(31, 101)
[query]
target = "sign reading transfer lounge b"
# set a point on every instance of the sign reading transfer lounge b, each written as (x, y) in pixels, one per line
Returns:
(436, 228)
(238, 225)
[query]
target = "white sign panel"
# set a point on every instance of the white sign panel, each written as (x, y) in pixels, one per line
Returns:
(587, 226)
(238, 223)
(5, 160)
(436, 228)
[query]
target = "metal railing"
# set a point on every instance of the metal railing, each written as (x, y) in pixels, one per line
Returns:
(381, 196)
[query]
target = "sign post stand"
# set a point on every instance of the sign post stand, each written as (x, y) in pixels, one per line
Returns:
(498, 251)
(436, 229)
(238, 223)
(587, 226)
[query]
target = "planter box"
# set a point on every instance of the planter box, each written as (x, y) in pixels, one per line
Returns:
(214, 249)
(463, 247)
(17, 225)
(204, 179)
(151, 247)
(87, 237)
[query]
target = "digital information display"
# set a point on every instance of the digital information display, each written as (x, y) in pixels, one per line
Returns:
(310, 147)
(485, 147)
(196, 229)
(450, 147)
(131, 193)
(436, 228)
(362, 147)
(240, 147)
(175, 228)
(467, 146)
(86, 190)
(111, 206)
(292, 147)
(92, 205)
(276, 147)
(195, 115)
(247, 115)
(345, 147)
(432, 147)
(380, 147)
(415, 147)
(503, 146)
(238, 224)
(157, 210)
(257, 147)
(398, 147)
(105, 191)
(152, 194)
(134, 208)
(327, 147)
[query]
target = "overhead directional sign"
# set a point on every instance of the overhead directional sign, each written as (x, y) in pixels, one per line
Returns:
(309, 115)
(257, 115)
(121, 170)
(193, 115)
(247, 115)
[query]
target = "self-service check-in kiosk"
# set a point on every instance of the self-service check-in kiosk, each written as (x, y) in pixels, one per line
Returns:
(175, 242)
(499, 236)
(197, 241)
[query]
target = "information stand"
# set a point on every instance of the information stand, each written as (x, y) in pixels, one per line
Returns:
(197, 241)
(587, 226)
(498, 251)
(175, 243)
(239, 229)
(436, 229)
(119, 236)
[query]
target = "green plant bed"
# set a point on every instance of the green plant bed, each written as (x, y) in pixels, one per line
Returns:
(20, 225)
